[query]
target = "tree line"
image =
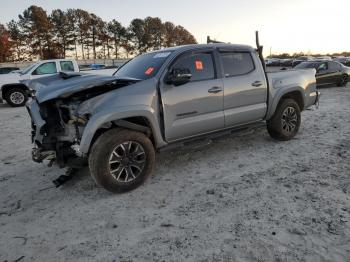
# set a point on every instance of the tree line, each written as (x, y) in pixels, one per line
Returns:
(36, 34)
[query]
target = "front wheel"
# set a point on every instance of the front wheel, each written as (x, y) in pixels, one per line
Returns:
(121, 160)
(285, 123)
(16, 97)
(343, 81)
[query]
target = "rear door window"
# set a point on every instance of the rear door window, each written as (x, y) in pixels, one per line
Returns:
(237, 63)
(67, 66)
(334, 66)
(201, 65)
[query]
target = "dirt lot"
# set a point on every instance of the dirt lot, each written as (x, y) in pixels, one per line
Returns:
(241, 198)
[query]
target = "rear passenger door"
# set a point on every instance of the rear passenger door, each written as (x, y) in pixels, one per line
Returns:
(67, 66)
(245, 88)
(335, 73)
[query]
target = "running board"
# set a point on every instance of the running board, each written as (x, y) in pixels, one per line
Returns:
(207, 139)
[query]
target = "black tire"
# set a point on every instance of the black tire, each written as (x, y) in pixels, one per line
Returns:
(101, 156)
(277, 127)
(343, 81)
(16, 97)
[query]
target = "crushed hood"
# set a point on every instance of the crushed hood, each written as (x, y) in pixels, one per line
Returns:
(64, 85)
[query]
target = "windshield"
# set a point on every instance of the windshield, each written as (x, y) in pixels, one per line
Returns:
(144, 66)
(27, 69)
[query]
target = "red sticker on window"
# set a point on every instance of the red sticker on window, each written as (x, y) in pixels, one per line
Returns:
(149, 71)
(199, 65)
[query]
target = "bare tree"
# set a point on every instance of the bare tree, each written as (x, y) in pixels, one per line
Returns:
(118, 34)
(37, 28)
(5, 46)
(17, 38)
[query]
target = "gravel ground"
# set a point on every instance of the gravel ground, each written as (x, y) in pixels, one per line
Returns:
(241, 198)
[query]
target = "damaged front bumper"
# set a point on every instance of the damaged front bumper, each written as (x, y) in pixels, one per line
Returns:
(38, 123)
(48, 147)
(317, 99)
(38, 155)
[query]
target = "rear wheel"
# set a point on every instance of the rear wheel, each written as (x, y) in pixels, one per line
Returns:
(343, 81)
(285, 123)
(121, 160)
(16, 97)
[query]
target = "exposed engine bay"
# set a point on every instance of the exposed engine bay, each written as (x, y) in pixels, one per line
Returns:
(57, 126)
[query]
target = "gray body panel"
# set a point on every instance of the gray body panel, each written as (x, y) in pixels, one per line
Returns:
(283, 82)
(139, 99)
(243, 102)
(189, 109)
(181, 112)
(54, 87)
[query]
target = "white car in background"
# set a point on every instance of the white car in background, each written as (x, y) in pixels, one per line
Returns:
(14, 92)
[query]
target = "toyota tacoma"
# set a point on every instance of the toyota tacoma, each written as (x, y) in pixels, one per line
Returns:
(157, 100)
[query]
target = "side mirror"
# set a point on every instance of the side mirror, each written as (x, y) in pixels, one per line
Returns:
(178, 76)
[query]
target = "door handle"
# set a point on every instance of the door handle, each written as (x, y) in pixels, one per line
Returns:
(215, 90)
(257, 83)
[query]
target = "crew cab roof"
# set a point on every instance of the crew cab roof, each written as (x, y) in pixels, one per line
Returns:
(220, 46)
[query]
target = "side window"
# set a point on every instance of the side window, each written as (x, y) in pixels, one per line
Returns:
(201, 66)
(322, 66)
(333, 66)
(236, 63)
(47, 68)
(67, 66)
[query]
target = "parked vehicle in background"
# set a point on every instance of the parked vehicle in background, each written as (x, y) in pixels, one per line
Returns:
(301, 59)
(288, 62)
(328, 72)
(96, 67)
(14, 91)
(273, 62)
(6, 70)
(84, 67)
(165, 98)
(323, 58)
(344, 60)
(92, 67)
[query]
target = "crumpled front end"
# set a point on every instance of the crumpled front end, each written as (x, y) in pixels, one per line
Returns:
(56, 132)
(60, 108)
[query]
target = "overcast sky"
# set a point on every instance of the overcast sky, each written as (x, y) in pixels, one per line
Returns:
(284, 25)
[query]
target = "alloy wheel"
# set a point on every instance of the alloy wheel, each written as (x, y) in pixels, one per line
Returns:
(344, 80)
(127, 161)
(17, 98)
(289, 119)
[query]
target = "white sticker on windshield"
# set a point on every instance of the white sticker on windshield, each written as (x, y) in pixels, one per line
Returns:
(162, 55)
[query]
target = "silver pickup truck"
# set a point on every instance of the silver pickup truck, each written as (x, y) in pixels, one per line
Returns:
(161, 99)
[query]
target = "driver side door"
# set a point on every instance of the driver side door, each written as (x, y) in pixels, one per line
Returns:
(195, 107)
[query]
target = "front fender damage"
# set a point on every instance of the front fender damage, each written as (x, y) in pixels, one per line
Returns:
(58, 124)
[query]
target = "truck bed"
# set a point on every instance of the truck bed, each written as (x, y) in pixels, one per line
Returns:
(281, 80)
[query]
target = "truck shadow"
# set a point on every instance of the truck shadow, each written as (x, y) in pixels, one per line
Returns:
(171, 160)
(3, 105)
